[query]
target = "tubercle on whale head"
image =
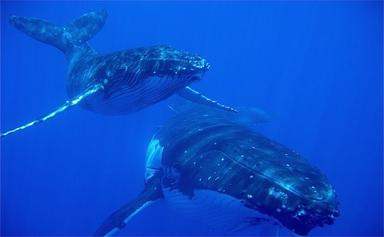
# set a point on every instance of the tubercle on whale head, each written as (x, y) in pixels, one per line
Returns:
(179, 63)
(195, 68)
(197, 65)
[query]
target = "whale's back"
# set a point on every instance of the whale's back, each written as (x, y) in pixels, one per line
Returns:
(212, 152)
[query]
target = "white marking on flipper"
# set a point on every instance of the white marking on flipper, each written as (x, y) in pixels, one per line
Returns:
(112, 232)
(195, 96)
(65, 106)
(137, 211)
(171, 108)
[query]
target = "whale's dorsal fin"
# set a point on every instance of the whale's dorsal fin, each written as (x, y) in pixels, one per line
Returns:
(195, 96)
(68, 104)
(118, 219)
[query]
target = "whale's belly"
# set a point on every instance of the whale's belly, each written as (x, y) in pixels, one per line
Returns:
(219, 214)
(120, 98)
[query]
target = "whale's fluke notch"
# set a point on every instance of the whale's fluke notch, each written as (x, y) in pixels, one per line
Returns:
(118, 219)
(68, 104)
(64, 37)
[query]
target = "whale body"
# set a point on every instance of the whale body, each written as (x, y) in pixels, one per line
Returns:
(219, 169)
(120, 82)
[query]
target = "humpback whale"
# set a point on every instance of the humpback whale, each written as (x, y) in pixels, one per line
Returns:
(206, 161)
(120, 82)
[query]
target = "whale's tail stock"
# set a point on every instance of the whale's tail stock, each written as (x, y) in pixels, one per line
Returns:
(65, 37)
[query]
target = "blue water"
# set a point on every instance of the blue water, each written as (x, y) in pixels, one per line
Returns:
(316, 67)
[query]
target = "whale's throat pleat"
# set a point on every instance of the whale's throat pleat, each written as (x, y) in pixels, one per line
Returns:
(217, 212)
(133, 94)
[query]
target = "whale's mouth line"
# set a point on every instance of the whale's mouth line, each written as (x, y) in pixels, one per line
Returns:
(197, 76)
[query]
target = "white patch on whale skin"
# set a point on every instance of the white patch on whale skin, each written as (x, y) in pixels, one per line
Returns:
(220, 213)
(154, 156)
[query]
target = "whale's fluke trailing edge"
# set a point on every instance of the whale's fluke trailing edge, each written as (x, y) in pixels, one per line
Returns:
(115, 83)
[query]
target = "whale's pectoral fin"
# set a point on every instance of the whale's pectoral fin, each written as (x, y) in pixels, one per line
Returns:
(196, 97)
(118, 219)
(64, 107)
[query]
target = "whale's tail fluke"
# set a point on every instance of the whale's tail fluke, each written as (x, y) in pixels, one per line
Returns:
(66, 37)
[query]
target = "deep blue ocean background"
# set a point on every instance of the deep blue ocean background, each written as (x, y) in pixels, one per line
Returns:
(316, 67)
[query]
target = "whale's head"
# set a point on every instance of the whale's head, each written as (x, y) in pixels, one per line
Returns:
(136, 78)
(182, 65)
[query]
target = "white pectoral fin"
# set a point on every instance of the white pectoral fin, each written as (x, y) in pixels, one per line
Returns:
(119, 218)
(196, 97)
(64, 107)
